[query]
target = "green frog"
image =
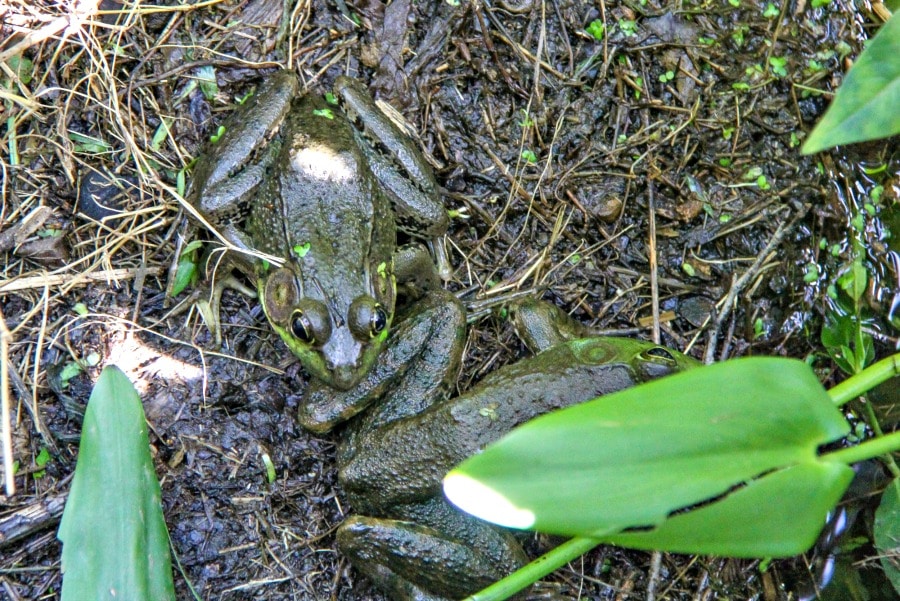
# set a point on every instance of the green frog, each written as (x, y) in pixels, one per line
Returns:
(312, 196)
(408, 539)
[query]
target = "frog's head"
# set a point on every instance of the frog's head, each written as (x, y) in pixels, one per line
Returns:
(338, 345)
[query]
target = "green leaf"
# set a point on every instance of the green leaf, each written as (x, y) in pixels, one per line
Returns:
(115, 543)
(184, 275)
(804, 493)
(23, 67)
(206, 76)
(865, 106)
(887, 532)
(634, 458)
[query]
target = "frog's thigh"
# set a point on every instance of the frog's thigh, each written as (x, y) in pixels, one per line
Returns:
(410, 560)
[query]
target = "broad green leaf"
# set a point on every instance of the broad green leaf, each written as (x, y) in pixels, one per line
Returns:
(743, 524)
(865, 105)
(887, 532)
(115, 543)
(631, 459)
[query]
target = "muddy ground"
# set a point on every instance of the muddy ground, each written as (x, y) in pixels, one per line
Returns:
(584, 171)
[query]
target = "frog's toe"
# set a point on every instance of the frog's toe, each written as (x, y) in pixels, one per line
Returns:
(415, 562)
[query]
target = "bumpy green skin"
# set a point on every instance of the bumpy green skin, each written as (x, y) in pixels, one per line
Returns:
(392, 459)
(295, 178)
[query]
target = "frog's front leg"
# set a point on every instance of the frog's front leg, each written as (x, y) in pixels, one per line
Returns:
(427, 342)
(432, 552)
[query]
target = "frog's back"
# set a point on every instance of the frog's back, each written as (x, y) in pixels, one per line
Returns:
(324, 203)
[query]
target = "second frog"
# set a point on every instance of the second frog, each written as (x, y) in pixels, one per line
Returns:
(325, 190)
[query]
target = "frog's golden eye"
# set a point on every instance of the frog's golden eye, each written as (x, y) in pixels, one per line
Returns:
(379, 321)
(301, 328)
(660, 353)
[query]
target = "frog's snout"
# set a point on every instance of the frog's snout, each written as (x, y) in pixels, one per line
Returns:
(343, 377)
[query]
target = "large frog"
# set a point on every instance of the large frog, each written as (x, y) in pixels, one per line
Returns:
(322, 191)
(411, 542)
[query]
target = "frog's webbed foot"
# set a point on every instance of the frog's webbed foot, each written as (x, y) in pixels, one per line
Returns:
(208, 296)
(540, 324)
(210, 307)
(414, 562)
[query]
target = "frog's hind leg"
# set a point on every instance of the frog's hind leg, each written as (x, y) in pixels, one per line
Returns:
(417, 562)
(540, 324)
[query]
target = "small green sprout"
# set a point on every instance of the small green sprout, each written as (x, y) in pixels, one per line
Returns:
(725, 162)
(811, 274)
(80, 309)
(778, 65)
(270, 468)
(220, 131)
(331, 98)
(762, 183)
(382, 269)
(820, 3)
(529, 156)
(301, 249)
(596, 29)
(42, 459)
(688, 269)
(667, 76)
(326, 112)
(758, 328)
(727, 133)
(734, 3)
(740, 86)
(704, 41)
(69, 371)
(526, 121)
(771, 11)
(628, 27)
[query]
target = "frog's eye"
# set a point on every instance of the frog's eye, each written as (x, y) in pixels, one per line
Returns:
(367, 318)
(659, 353)
(656, 362)
(301, 328)
(379, 321)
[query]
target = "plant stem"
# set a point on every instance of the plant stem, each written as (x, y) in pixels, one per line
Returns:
(537, 569)
(865, 380)
(871, 448)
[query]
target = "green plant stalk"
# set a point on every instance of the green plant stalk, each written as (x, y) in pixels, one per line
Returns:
(846, 391)
(867, 450)
(865, 380)
(537, 569)
(13, 146)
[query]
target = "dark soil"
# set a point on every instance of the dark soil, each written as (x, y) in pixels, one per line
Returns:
(647, 156)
